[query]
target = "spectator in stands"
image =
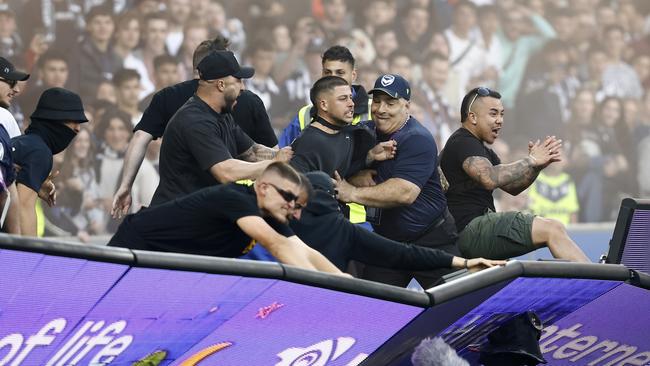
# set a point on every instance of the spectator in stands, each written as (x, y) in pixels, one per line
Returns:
(179, 15)
(474, 171)
(467, 58)
(337, 19)
(80, 211)
(619, 78)
(249, 115)
(54, 124)
(227, 221)
(401, 63)
(518, 48)
(11, 45)
(202, 145)
(378, 13)
(127, 88)
(414, 30)
(274, 96)
(114, 132)
(406, 192)
(155, 29)
(227, 26)
(432, 95)
(96, 60)
(193, 34)
(57, 22)
(53, 72)
(385, 42)
(125, 42)
(166, 73)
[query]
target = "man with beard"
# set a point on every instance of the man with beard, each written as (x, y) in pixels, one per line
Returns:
(227, 220)
(54, 124)
(201, 144)
(474, 171)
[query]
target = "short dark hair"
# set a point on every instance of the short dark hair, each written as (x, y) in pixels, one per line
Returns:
(305, 185)
(434, 55)
(284, 170)
(338, 53)
(158, 15)
(52, 54)
(164, 59)
(218, 43)
(99, 10)
(326, 83)
(398, 53)
(123, 75)
(469, 97)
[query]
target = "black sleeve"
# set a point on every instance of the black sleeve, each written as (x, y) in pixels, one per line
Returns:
(372, 248)
(467, 146)
(242, 140)
(35, 165)
(153, 119)
(250, 114)
(205, 145)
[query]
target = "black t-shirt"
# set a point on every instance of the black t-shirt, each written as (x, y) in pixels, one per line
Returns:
(417, 162)
(34, 158)
(203, 223)
(196, 138)
(466, 198)
(317, 150)
(249, 112)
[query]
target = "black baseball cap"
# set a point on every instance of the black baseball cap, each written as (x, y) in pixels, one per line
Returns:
(219, 64)
(9, 72)
(393, 85)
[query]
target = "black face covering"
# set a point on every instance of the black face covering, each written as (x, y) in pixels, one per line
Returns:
(56, 135)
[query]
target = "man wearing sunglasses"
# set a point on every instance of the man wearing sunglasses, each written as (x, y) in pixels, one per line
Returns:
(474, 171)
(227, 220)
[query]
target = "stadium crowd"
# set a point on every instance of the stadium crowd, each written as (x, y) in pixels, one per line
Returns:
(578, 70)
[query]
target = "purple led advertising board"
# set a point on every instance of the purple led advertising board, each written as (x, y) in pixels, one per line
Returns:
(586, 321)
(60, 311)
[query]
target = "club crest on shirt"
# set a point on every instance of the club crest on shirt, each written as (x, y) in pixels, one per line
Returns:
(386, 80)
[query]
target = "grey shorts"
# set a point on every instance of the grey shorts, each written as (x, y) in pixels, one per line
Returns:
(497, 235)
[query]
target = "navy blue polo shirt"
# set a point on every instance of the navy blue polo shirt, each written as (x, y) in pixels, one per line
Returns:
(417, 162)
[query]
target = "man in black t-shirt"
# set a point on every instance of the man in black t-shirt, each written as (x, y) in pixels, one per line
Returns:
(406, 190)
(249, 114)
(226, 221)
(201, 143)
(474, 171)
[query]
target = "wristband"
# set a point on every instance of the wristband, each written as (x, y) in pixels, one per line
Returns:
(466, 264)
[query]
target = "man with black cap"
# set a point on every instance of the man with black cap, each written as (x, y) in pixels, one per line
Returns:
(201, 146)
(9, 78)
(250, 115)
(54, 124)
(406, 190)
(323, 227)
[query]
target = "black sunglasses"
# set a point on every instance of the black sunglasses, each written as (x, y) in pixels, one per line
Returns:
(482, 91)
(11, 83)
(286, 195)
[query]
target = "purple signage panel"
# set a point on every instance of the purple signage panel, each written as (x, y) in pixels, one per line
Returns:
(551, 298)
(613, 329)
(292, 324)
(58, 311)
(43, 298)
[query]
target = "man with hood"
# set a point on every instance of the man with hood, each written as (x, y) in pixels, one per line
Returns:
(322, 226)
(54, 124)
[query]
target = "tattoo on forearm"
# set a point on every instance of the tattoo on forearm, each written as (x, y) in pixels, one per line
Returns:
(512, 178)
(258, 152)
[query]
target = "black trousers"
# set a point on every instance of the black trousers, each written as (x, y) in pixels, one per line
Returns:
(442, 235)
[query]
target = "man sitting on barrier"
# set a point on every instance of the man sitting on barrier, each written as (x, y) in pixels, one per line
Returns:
(227, 220)
(323, 226)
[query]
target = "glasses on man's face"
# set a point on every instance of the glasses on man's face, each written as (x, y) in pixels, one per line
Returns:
(286, 195)
(482, 91)
(11, 83)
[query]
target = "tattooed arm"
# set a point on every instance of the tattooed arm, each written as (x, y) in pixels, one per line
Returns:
(258, 152)
(513, 178)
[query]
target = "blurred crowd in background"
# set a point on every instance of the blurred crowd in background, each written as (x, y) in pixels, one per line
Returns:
(576, 69)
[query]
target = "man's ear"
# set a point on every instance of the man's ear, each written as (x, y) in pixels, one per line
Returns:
(354, 75)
